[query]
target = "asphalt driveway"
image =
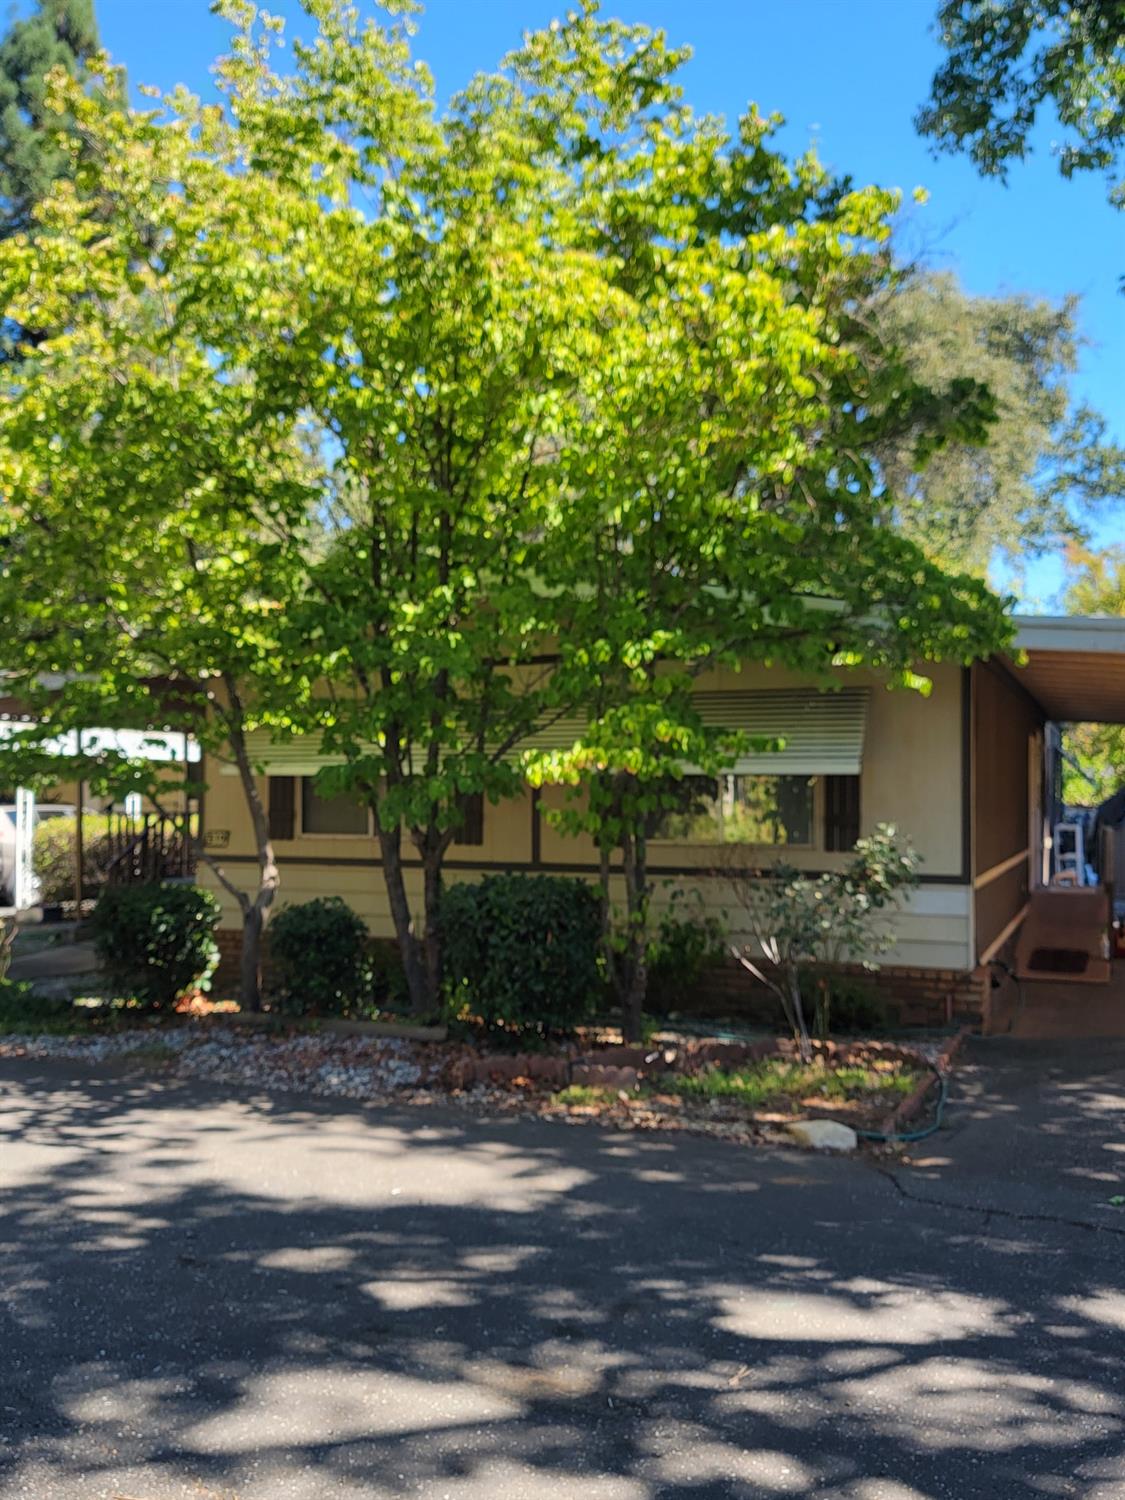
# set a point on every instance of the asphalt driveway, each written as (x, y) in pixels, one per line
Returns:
(213, 1297)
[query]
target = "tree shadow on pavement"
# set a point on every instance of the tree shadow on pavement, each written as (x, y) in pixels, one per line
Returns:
(213, 1296)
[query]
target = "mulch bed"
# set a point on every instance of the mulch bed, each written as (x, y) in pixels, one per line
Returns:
(631, 1084)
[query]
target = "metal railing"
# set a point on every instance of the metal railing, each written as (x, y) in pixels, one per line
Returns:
(149, 847)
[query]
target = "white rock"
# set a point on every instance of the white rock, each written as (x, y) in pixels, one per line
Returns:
(824, 1135)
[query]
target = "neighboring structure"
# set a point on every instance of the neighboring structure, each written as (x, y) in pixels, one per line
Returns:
(965, 773)
(141, 842)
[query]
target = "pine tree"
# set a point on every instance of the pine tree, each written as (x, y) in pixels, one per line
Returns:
(58, 33)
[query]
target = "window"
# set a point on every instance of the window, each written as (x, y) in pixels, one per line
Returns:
(841, 812)
(771, 810)
(321, 814)
(471, 830)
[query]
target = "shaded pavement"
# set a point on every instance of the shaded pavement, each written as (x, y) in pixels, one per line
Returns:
(217, 1297)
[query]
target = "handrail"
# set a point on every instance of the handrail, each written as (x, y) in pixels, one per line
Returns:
(994, 872)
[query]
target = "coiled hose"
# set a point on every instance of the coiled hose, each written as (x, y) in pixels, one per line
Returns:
(904, 1137)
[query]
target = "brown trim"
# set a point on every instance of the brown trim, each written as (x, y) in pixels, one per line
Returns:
(967, 809)
(545, 867)
(1002, 937)
(536, 826)
(201, 802)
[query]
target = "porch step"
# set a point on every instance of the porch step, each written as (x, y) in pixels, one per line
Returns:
(1065, 935)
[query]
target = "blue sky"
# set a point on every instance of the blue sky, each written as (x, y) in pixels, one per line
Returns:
(848, 74)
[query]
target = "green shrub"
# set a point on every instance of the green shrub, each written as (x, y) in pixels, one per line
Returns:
(389, 990)
(843, 1005)
(155, 941)
(521, 951)
(802, 924)
(680, 955)
(53, 854)
(321, 959)
(21, 1009)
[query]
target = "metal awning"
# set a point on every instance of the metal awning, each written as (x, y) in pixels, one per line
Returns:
(819, 734)
(1075, 666)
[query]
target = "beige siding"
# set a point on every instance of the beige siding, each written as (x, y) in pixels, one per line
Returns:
(932, 932)
(912, 777)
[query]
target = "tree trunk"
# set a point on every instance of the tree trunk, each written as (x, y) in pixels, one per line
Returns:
(635, 989)
(609, 949)
(256, 913)
(431, 885)
(800, 1029)
(390, 846)
(250, 959)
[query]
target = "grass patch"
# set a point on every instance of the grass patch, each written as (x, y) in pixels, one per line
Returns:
(587, 1094)
(777, 1078)
(24, 1013)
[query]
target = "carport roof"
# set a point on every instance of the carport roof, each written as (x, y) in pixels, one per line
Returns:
(1075, 666)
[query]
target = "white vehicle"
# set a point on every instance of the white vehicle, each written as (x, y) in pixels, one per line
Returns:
(8, 840)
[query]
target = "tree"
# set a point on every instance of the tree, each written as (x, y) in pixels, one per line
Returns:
(57, 34)
(587, 377)
(1045, 465)
(1007, 59)
(731, 506)
(637, 435)
(142, 577)
(1094, 767)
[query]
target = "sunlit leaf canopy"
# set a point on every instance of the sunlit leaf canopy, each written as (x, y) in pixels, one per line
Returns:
(1009, 61)
(354, 406)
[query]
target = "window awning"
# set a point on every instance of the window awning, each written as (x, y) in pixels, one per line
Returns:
(820, 734)
(300, 756)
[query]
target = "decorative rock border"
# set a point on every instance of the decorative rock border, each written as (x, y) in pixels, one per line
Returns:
(329, 1026)
(906, 1112)
(624, 1067)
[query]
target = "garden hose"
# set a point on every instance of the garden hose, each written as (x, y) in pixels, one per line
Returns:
(892, 1137)
(905, 1137)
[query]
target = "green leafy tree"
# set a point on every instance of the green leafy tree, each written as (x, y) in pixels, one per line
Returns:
(588, 379)
(1008, 59)
(1045, 465)
(141, 571)
(624, 410)
(57, 34)
(1094, 767)
(732, 505)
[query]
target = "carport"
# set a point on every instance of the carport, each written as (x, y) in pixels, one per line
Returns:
(1072, 669)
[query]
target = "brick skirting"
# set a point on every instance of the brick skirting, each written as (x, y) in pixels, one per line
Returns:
(916, 997)
(225, 981)
(229, 939)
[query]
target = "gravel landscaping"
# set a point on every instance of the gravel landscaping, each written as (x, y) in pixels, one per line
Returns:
(719, 1092)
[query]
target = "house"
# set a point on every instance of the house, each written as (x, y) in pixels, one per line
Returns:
(967, 773)
(146, 836)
